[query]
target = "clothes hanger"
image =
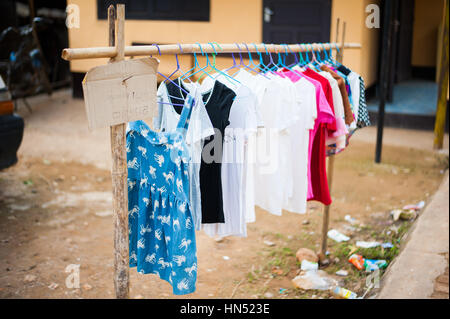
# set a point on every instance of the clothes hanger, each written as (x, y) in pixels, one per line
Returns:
(261, 62)
(311, 63)
(186, 76)
(279, 64)
(213, 66)
(324, 53)
(183, 73)
(332, 60)
(296, 61)
(208, 64)
(260, 70)
(240, 60)
(201, 69)
(299, 62)
(268, 66)
(315, 60)
(234, 64)
(327, 60)
(178, 65)
(303, 62)
(168, 79)
(228, 77)
(250, 60)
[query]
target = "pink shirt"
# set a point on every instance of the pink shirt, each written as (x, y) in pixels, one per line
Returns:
(325, 122)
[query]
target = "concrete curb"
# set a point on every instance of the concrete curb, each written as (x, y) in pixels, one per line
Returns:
(413, 272)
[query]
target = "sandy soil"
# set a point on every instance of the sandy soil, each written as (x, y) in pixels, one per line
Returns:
(55, 210)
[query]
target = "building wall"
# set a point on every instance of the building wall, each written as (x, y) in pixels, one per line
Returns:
(364, 60)
(243, 27)
(230, 21)
(427, 18)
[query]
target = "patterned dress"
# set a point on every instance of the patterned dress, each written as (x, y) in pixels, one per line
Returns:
(161, 232)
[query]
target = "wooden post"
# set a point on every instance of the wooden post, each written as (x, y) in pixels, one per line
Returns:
(330, 170)
(119, 172)
(441, 109)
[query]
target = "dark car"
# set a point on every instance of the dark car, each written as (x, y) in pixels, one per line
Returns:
(11, 129)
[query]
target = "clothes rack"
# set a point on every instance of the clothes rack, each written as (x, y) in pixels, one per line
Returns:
(117, 51)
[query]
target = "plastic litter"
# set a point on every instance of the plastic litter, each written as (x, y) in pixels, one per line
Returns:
(374, 264)
(282, 290)
(309, 265)
(344, 293)
(350, 219)
(404, 214)
(269, 243)
(396, 214)
(417, 206)
(314, 279)
(387, 245)
(367, 244)
(337, 236)
(342, 273)
(357, 261)
(411, 214)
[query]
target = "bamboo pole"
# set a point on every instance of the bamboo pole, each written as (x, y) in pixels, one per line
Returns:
(441, 108)
(330, 170)
(119, 173)
(144, 50)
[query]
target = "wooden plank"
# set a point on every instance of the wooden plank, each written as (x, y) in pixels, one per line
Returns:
(119, 174)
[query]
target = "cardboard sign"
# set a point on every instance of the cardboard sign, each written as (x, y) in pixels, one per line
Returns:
(120, 92)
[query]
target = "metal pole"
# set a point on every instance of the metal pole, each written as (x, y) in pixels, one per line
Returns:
(119, 173)
(441, 109)
(385, 58)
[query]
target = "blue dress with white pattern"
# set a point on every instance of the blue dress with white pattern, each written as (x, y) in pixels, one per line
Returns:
(161, 232)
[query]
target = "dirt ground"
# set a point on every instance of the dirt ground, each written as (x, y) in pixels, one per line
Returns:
(55, 210)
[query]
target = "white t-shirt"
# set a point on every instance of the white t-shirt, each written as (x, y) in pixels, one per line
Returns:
(355, 83)
(236, 197)
(273, 179)
(338, 109)
(199, 128)
(299, 141)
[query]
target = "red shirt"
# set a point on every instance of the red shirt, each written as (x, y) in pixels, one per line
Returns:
(319, 180)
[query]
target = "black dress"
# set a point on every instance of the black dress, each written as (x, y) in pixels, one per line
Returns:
(218, 103)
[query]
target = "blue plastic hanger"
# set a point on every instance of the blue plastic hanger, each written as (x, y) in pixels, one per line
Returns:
(261, 61)
(261, 66)
(332, 60)
(186, 75)
(296, 60)
(212, 66)
(250, 61)
(306, 54)
(205, 67)
(227, 76)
